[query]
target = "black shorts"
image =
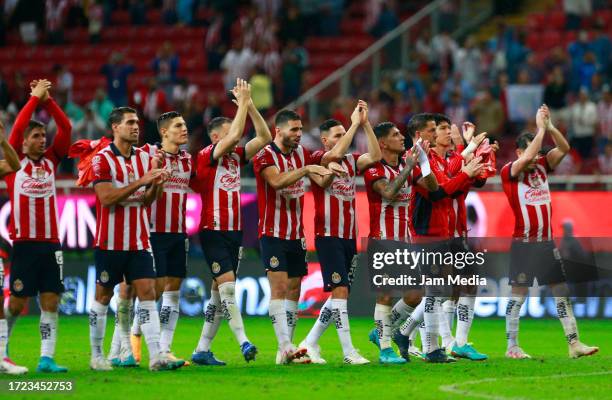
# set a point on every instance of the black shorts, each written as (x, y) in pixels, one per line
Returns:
(222, 250)
(36, 267)
(338, 259)
(112, 266)
(460, 245)
(432, 263)
(284, 255)
(170, 253)
(541, 260)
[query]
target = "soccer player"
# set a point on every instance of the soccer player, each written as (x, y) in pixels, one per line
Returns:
(126, 181)
(36, 265)
(7, 166)
(533, 252)
(429, 219)
(218, 171)
(280, 168)
(389, 185)
(336, 230)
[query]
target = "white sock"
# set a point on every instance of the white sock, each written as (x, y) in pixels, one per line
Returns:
(413, 321)
(340, 316)
(382, 319)
(212, 321)
(423, 335)
(513, 311)
(444, 325)
(278, 316)
(125, 313)
(449, 307)
(168, 318)
(135, 325)
(97, 328)
(48, 333)
(148, 319)
(400, 312)
(115, 348)
(291, 307)
(568, 321)
(320, 324)
(10, 320)
(3, 338)
(431, 317)
(227, 291)
(465, 316)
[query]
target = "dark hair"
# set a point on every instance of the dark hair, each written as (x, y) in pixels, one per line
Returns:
(419, 122)
(439, 118)
(31, 125)
(382, 129)
(216, 123)
(284, 116)
(523, 140)
(116, 116)
(164, 119)
(327, 125)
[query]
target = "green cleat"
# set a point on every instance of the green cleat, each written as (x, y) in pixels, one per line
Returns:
(47, 364)
(128, 362)
(388, 356)
(467, 351)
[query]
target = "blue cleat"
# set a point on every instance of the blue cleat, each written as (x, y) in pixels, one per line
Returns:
(403, 344)
(437, 356)
(373, 336)
(47, 364)
(388, 356)
(129, 362)
(467, 351)
(115, 362)
(249, 351)
(206, 358)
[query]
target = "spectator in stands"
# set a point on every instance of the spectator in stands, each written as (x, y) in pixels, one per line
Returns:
(95, 15)
(575, 10)
(55, 20)
(63, 79)
(165, 65)
(184, 11)
(604, 113)
(425, 53)
(152, 102)
(570, 165)
(576, 51)
(101, 105)
(238, 62)
(558, 58)
(488, 114)
(261, 91)
(138, 12)
(604, 160)
(602, 47)
(409, 84)
(72, 110)
(183, 92)
(267, 57)
(212, 110)
(169, 12)
(586, 70)
(456, 109)
(583, 123)
(469, 61)
(432, 102)
(91, 126)
(19, 91)
(597, 87)
(117, 72)
(532, 67)
(386, 22)
(214, 42)
(295, 61)
(516, 52)
(555, 94)
(329, 16)
(75, 17)
(292, 25)
(453, 83)
(444, 47)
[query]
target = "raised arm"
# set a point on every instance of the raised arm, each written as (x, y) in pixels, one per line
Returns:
(534, 147)
(39, 92)
(340, 149)
(11, 159)
(562, 147)
(242, 92)
(374, 153)
(262, 133)
(61, 143)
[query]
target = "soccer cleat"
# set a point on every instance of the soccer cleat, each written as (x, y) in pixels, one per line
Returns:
(7, 366)
(355, 359)
(128, 362)
(101, 364)
(206, 358)
(174, 358)
(388, 356)
(291, 355)
(115, 361)
(373, 336)
(580, 349)
(415, 351)
(314, 352)
(403, 344)
(47, 364)
(136, 343)
(249, 351)
(469, 352)
(165, 363)
(517, 353)
(438, 356)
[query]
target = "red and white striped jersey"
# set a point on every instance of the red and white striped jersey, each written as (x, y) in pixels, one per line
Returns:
(32, 188)
(123, 226)
(335, 205)
(458, 215)
(167, 214)
(388, 219)
(529, 198)
(220, 189)
(280, 211)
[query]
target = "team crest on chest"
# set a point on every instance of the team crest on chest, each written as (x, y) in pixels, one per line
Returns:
(39, 173)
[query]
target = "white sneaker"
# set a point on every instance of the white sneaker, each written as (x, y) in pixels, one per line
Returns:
(100, 364)
(290, 353)
(10, 368)
(355, 358)
(314, 352)
(580, 349)
(517, 353)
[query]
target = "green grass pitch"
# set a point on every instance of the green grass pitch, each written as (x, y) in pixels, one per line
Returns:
(550, 375)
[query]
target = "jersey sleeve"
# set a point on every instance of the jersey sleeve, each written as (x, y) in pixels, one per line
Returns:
(241, 151)
(262, 160)
(543, 161)
(506, 173)
(205, 157)
(308, 160)
(61, 143)
(373, 174)
(317, 156)
(100, 169)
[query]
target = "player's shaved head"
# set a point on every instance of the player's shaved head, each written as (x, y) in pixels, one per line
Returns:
(284, 116)
(523, 140)
(166, 118)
